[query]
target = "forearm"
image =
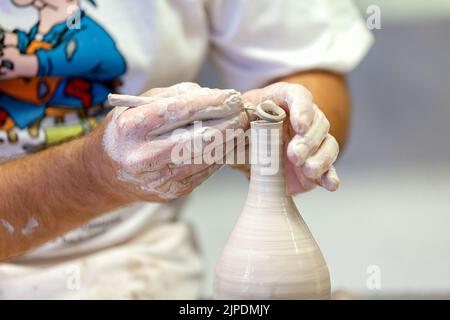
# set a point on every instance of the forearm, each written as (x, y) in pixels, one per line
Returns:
(46, 194)
(331, 94)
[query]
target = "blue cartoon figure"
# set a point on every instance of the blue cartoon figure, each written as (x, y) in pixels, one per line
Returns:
(55, 78)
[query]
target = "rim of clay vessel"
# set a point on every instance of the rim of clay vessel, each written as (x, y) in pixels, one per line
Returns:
(267, 123)
(270, 111)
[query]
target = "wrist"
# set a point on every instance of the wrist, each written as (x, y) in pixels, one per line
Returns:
(102, 172)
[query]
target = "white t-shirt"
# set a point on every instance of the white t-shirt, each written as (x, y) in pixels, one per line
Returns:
(131, 46)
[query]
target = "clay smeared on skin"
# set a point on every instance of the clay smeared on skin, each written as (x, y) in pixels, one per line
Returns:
(29, 228)
(141, 144)
(231, 106)
(8, 226)
(309, 139)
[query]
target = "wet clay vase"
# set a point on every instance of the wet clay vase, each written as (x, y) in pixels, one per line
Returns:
(270, 253)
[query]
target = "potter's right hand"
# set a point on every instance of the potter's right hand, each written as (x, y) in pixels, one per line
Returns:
(139, 137)
(311, 150)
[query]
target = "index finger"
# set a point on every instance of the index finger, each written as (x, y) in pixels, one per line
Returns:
(164, 115)
(298, 101)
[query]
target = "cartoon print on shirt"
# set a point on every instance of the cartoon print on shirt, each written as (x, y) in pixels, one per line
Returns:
(54, 79)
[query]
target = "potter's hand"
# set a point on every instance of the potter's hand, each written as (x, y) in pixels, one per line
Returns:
(14, 64)
(141, 139)
(311, 150)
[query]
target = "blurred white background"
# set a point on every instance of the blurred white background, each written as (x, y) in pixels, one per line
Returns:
(393, 208)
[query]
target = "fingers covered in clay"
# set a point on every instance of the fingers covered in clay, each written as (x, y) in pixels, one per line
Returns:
(184, 186)
(204, 105)
(330, 180)
(317, 169)
(296, 180)
(299, 102)
(189, 144)
(296, 99)
(145, 141)
(322, 160)
(303, 146)
(166, 114)
(311, 151)
(173, 182)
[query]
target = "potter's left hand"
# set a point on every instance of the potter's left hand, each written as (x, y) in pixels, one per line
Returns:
(145, 139)
(311, 150)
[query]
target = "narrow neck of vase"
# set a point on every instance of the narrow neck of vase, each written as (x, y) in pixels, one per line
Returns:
(267, 159)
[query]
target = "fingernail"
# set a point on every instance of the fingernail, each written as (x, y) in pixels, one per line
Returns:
(330, 184)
